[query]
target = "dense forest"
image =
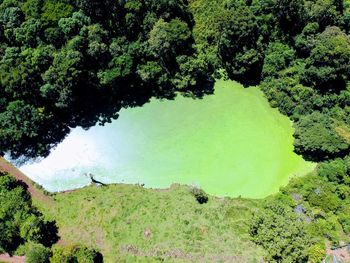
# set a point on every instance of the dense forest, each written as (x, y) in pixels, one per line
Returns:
(298, 52)
(76, 63)
(69, 63)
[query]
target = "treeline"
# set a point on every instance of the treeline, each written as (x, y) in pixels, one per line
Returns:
(298, 51)
(68, 63)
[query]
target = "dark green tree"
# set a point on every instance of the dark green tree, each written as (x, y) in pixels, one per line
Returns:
(74, 63)
(328, 67)
(316, 139)
(239, 46)
(20, 222)
(282, 233)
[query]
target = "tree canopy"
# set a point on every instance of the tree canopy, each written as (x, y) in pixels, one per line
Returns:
(298, 51)
(69, 63)
(20, 222)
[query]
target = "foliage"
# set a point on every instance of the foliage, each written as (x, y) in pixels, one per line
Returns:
(200, 195)
(279, 230)
(69, 63)
(316, 139)
(20, 222)
(37, 253)
(79, 254)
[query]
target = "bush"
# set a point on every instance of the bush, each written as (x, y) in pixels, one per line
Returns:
(20, 222)
(79, 254)
(281, 233)
(344, 220)
(316, 139)
(37, 253)
(317, 253)
(336, 170)
(200, 195)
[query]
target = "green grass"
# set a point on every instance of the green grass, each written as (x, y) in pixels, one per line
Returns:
(115, 219)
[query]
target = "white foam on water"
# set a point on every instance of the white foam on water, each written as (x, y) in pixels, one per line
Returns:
(67, 163)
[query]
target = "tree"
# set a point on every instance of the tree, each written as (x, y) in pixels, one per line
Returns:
(328, 67)
(29, 32)
(168, 38)
(306, 41)
(316, 139)
(21, 128)
(53, 11)
(336, 170)
(290, 15)
(71, 26)
(279, 230)
(324, 12)
(75, 254)
(20, 222)
(278, 57)
(239, 47)
(37, 253)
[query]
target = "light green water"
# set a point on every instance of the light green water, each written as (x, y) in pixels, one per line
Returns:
(231, 143)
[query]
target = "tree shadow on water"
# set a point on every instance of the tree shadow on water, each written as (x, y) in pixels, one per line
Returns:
(98, 107)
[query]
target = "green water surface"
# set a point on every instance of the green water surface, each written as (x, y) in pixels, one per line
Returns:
(231, 143)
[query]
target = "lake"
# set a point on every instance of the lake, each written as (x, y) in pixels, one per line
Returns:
(231, 143)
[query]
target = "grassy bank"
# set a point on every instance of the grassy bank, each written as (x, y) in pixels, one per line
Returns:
(130, 223)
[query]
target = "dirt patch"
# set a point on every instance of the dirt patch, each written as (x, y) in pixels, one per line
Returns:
(14, 259)
(341, 254)
(147, 233)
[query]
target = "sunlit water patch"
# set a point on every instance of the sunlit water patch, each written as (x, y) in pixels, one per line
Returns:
(230, 143)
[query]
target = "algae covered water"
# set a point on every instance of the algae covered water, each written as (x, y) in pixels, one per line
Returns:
(230, 143)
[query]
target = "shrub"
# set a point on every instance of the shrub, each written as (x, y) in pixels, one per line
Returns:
(37, 253)
(20, 221)
(200, 195)
(79, 254)
(281, 233)
(335, 170)
(317, 253)
(344, 220)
